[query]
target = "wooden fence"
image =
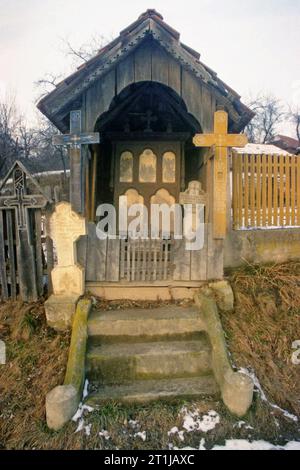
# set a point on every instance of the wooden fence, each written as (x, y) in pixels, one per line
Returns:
(265, 191)
(20, 275)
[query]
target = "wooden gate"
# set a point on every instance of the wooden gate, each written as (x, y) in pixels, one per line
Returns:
(146, 260)
(24, 247)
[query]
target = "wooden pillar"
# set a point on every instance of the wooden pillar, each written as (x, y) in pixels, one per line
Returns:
(87, 172)
(76, 180)
(229, 194)
(75, 140)
(94, 167)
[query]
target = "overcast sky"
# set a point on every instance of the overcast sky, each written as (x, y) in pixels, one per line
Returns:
(253, 45)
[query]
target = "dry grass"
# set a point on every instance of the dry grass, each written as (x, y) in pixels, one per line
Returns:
(259, 333)
(264, 325)
(36, 360)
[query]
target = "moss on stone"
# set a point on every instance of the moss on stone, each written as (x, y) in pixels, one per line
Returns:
(76, 361)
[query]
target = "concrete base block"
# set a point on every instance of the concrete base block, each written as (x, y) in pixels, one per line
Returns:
(224, 295)
(61, 405)
(60, 310)
(237, 392)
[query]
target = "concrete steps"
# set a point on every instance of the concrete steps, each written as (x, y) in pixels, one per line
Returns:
(148, 354)
(142, 325)
(150, 390)
(122, 362)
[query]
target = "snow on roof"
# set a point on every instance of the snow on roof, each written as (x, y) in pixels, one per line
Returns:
(50, 173)
(260, 149)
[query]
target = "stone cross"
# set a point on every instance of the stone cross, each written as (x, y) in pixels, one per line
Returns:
(68, 277)
(20, 201)
(193, 195)
(75, 140)
(221, 140)
(66, 226)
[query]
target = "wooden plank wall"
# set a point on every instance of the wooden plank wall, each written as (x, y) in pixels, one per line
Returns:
(25, 262)
(149, 260)
(150, 62)
(265, 191)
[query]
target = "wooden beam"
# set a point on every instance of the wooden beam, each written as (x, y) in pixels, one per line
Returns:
(94, 183)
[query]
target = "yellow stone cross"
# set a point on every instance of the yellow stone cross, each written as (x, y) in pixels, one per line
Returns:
(221, 140)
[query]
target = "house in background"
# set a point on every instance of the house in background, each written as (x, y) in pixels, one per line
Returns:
(289, 144)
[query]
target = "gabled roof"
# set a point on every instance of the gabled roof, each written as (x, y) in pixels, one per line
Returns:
(148, 24)
(8, 179)
(285, 141)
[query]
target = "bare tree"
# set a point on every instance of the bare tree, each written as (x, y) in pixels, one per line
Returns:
(294, 117)
(48, 154)
(86, 51)
(26, 140)
(269, 112)
(9, 122)
(46, 84)
(45, 151)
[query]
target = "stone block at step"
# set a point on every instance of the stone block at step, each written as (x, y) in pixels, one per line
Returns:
(150, 390)
(121, 362)
(224, 295)
(169, 322)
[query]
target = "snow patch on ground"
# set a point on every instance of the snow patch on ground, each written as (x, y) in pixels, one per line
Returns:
(85, 389)
(80, 412)
(87, 429)
(81, 409)
(175, 431)
(193, 421)
(104, 434)
(142, 435)
(243, 444)
(133, 424)
(241, 424)
(252, 375)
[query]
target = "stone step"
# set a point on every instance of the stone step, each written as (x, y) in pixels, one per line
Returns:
(142, 325)
(123, 362)
(150, 390)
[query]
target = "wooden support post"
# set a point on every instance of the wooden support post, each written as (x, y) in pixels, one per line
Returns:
(94, 183)
(26, 266)
(11, 254)
(75, 140)
(87, 199)
(3, 278)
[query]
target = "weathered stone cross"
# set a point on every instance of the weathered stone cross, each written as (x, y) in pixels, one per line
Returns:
(75, 140)
(19, 200)
(221, 140)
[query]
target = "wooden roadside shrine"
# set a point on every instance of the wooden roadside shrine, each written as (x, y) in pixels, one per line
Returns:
(21, 256)
(146, 110)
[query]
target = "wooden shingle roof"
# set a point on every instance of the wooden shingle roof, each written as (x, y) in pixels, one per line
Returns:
(150, 23)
